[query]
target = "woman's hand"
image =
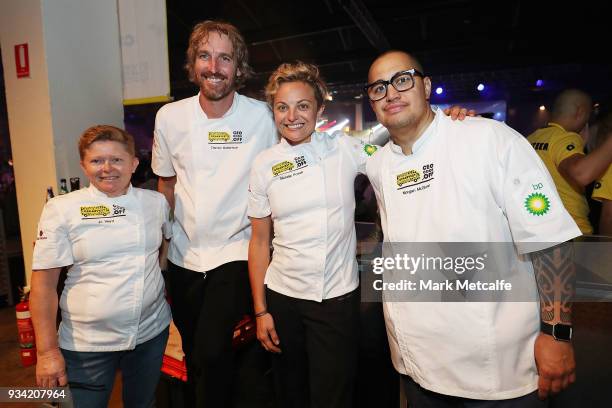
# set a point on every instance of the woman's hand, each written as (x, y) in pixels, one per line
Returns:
(51, 369)
(266, 333)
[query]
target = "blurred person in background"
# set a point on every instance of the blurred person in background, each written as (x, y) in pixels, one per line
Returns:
(602, 190)
(561, 148)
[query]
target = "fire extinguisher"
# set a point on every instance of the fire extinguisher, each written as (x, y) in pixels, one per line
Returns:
(27, 343)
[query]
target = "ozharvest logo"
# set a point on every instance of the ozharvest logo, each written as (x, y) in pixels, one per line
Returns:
(216, 137)
(282, 167)
(537, 204)
(369, 149)
(410, 176)
(95, 211)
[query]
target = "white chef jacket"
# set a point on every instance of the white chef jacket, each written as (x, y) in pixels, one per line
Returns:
(308, 189)
(113, 297)
(467, 182)
(211, 159)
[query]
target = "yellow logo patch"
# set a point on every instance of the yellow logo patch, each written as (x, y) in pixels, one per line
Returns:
(95, 211)
(282, 167)
(410, 176)
(218, 137)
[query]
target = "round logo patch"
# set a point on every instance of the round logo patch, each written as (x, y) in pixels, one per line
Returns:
(537, 204)
(570, 147)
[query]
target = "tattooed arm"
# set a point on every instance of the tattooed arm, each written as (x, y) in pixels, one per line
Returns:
(555, 274)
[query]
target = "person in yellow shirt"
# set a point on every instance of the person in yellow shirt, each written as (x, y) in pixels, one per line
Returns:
(602, 191)
(561, 148)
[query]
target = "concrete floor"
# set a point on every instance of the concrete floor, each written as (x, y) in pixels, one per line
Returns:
(593, 345)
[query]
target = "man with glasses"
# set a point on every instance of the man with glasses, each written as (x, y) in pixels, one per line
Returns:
(471, 181)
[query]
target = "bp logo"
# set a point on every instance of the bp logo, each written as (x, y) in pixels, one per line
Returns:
(537, 204)
(369, 149)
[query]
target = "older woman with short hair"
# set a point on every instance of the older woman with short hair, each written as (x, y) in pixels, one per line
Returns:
(114, 314)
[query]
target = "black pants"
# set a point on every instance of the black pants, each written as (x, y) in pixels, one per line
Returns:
(319, 343)
(205, 309)
(419, 397)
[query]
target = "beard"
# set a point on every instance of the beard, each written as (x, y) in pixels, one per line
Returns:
(218, 91)
(399, 122)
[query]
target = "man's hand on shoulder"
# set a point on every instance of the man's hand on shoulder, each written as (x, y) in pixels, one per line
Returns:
(556, 365)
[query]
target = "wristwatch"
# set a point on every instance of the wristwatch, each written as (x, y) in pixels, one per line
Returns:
(562, 332)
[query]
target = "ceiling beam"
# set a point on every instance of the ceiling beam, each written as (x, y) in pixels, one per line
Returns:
(359, 13)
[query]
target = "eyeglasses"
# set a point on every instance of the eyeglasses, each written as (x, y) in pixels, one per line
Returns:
(401, 81)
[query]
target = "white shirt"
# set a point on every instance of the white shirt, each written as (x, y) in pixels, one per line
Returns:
(113, 297)
(308, 190)
(467, 182)
(211, 159)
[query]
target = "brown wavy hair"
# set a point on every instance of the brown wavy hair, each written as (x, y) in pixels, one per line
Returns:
(200, 33)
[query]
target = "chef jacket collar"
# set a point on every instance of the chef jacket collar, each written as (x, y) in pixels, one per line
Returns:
(320, 143)
(201, 115)
(430, 130)
(99, 194)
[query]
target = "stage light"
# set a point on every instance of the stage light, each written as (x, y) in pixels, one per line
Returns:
(337, 126)
(439, 90)
(539, 83)
(480, 87)
(542, 107)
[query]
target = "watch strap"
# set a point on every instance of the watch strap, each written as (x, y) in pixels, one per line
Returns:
(561, 332)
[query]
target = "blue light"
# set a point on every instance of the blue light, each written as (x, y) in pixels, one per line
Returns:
(539, 83)
(439, 90)
(480, 87)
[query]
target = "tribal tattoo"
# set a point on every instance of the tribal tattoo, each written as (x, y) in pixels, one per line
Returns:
(555, 273)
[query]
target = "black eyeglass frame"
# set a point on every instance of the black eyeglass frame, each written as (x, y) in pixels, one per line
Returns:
(412, 72)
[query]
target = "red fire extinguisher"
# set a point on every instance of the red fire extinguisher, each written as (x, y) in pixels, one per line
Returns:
(27, 343)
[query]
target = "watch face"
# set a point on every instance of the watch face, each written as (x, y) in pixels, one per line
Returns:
(562, 332)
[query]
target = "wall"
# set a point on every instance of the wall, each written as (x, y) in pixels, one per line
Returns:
(75, 81)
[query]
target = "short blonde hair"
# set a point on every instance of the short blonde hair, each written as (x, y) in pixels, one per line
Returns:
(200, 33)
(106, 133)
(297, 72)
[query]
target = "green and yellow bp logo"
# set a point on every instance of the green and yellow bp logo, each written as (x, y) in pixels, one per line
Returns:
(369, 149)
(537, 204)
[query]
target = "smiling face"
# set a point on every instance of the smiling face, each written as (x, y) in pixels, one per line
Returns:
(215, 66)
(109, 167)
(399, 110)
(296, 111)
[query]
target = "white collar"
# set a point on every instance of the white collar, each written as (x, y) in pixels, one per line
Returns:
(430, 130)
(99, 194)
(201, 115)
(320, 143)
